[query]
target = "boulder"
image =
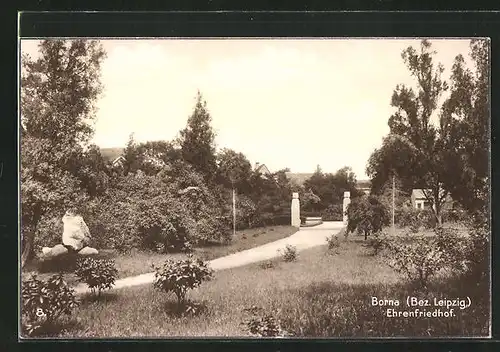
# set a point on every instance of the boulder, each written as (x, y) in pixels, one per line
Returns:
(88, 251)
(55, 251)
(76, 233)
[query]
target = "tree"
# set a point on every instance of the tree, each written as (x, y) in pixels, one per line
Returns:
(234, 169)
(415, 150)
(330, 188)
(59, 90)
(367, 215)
(150, 157)
(197, 140)
(466, 113)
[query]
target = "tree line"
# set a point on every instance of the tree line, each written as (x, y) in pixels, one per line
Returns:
(167, 195)
(439, 132)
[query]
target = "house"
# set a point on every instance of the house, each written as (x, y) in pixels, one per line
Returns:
(420, 201)
(118, 162)
(262, 169)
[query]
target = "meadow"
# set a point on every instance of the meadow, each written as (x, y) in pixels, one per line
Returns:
(324, 293)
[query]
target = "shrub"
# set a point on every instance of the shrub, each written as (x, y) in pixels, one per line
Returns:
(333, 242)
(333, 213)
(366, 215)
(289, 254)
(417, 260)
(268, 264)
(98, 274)
(180, 276)
(454, 215)
(477, 253)
(262, 324)
(48, 232)
(213, 229)
(407, 217)
(43, 302)
(377, 242)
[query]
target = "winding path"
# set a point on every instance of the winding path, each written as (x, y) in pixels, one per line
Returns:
(306, 237)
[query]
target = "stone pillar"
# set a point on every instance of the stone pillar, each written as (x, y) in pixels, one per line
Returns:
(295, 210)
(347, 200)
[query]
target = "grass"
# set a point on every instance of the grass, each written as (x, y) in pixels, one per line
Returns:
(320, 295)
(140, 262)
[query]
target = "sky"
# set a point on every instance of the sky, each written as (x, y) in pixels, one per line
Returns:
(294, 103)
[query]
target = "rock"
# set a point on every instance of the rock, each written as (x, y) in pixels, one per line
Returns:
(55, 251)
(76, 233)
(88, 251)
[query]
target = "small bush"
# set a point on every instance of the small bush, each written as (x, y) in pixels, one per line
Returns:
(289, 254)
(262, 324)
(268, 264)
(43, 302)
(333, 243)
(180, 276)
(418, 260)
(98, 274)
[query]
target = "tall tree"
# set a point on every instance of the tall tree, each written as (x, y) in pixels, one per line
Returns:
(466, 113)
(59, 90)
(197, 140)
(414, 149)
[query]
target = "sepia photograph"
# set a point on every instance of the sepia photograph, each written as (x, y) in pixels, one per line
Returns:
(254, 188)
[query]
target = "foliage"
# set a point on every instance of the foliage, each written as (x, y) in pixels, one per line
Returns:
(339, 309)
(268, 264)
(421, 258)
(150, 157)
(377, 242)
(416, 150)
(234, 169)
(467, 113)
(180, 276)
(98, 274)
(59, 90)
(43, 302)
(367, 215)
(197, 141)
(157, 212)
(330, 188)
(289, 254)
(262, 324)
(333, 213)
(333, 243)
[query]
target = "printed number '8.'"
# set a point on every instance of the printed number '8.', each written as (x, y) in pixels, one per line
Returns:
(40, 313)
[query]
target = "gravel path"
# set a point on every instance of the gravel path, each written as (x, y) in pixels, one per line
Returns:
(306, 237)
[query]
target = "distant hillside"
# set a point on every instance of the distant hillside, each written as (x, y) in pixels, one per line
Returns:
(298, 178)
(110, 154)
(363, 184)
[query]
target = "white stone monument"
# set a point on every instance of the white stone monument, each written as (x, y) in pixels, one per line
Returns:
(347, 200)
(295, 210)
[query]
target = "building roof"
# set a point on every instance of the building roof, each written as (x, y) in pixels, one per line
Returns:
(111, 154)
(418, 193)
(262, 168)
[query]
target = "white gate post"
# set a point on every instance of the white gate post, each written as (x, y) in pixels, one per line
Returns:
(347, 200)
(295, 211)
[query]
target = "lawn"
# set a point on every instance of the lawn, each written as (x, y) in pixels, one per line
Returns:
(322, 294)
(140, 262)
